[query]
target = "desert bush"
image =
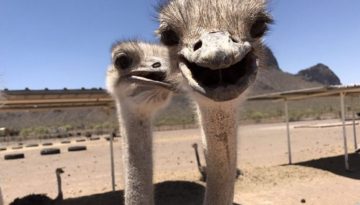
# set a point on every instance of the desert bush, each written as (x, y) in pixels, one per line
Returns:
(68, 127)
(175, 120)
(257, 116)
(25, 132)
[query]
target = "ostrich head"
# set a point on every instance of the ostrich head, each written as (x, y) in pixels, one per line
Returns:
(218, 43)
(138, 75)
(59, 171)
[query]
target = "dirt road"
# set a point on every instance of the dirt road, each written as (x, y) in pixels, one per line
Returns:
(317, 176)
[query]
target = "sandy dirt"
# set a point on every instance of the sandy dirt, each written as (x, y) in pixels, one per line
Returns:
(317, 175)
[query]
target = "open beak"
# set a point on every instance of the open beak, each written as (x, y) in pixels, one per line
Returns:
(218, 67)
(151, 78)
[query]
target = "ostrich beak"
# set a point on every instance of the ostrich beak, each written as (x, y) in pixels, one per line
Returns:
(217, 50)
(150, 78)
(218, 67)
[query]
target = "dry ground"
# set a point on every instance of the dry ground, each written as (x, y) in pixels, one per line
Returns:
(317, 176)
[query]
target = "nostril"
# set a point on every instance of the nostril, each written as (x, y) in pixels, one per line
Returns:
(197, 45)
(156, 65)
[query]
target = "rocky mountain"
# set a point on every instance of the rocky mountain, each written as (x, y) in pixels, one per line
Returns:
(320, 73)
(271, 62)
(273, 79)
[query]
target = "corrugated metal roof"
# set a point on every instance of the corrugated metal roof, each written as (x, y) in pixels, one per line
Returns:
(309, 93)
(48, 99)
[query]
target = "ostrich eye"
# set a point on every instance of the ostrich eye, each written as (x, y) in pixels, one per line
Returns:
(156, 65)
(123, 61)
(169, 38)
(259, 28)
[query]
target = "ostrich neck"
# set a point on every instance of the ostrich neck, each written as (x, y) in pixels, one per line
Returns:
(219, 131)
(60, 194)
(135, 128)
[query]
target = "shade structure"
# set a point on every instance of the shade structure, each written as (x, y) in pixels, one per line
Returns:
(14, 100)
(293, 95)
(46, 99)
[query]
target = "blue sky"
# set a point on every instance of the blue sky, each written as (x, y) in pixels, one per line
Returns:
(57, 44)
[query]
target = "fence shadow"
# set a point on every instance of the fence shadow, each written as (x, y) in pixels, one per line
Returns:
(336, 165)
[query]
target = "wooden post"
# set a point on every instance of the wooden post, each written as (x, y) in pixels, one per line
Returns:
(288, 130)
(112, 162)
(354, 123)
(342, 104)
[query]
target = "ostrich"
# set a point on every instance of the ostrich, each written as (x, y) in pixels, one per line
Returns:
(42, 199)
(217, 47)
(202, 169)
(137, 80)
